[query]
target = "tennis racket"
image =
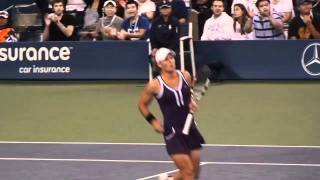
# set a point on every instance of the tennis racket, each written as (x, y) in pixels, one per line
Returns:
(197, 92)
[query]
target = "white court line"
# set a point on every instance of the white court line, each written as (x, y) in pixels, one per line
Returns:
(153, 161)
(168, 172)
(235, 163)
(155, 144)
(157, 175)
(85, 160)
(261, 164)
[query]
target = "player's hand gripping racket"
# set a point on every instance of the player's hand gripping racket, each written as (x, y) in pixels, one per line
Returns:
(199, 89)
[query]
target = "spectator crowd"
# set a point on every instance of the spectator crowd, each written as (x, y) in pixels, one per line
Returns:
(161, 21)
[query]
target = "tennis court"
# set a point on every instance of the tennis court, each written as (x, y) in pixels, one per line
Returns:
(53, 161)
(247, 116)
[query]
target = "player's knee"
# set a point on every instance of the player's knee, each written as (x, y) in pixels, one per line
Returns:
(187, 171)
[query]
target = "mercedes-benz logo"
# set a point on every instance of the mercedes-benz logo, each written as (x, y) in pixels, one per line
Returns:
(310, 59)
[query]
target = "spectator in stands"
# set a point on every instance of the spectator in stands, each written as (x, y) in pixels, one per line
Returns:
(94, 5)
(203, 8)
(97, 5)
(110, 25)
(267, 25)
(227, 7)
(249, 4)
(120, 10)
(59, 26)
(315, 8)
(179, 10)
(285, 9)
(220, 25)
(76, 8)
(242, 24)
(88, 32)
(135, 27)
(44, 6)
(7, 34)
(122, 4)
(147, 8)
(307, 24)
(164, 29)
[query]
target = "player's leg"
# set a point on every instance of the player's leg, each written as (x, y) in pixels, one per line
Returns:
(195, 159)
(195, 141)
(184, 164)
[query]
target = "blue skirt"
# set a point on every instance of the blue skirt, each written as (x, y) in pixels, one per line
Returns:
(178, 143)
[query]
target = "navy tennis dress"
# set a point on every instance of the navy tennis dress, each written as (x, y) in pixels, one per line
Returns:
(174, 104)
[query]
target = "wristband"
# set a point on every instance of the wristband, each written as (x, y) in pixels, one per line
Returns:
(150, 117)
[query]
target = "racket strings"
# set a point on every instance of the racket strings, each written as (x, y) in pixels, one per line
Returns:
(200, 89)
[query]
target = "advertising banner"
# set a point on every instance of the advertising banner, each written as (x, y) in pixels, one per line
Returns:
(288, 59)
(251, 60)
(74, 60)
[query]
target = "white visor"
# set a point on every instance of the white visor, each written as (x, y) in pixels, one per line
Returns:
(162, 54)
(110, 2)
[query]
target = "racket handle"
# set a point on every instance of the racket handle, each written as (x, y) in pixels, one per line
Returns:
(187, 125)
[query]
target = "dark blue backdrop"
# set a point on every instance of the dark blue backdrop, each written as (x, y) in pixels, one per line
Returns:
(259, 59)
(129, 60)
(99, 60)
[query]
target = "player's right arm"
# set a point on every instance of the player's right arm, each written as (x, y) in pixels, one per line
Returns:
(188, 78)
(146, 98)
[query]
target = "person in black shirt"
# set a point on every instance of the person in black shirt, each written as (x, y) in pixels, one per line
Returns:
(203, 7)
(164, 32)
(307, 24)
(58, 25)
(164, 29)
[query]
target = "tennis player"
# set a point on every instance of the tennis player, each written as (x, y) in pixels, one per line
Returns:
(172, 91)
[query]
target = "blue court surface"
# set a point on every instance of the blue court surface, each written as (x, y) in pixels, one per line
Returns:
(125, 161)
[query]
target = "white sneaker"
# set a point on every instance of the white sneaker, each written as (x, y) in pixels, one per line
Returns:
(163, 176)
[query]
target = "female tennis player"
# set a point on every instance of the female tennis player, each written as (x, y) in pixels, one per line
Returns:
(172, 91)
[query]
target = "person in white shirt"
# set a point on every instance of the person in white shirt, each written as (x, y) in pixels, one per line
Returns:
(249, 4)
(284, 8)
(146, 8)
(75, 5)
(220, 25)
(242, 24)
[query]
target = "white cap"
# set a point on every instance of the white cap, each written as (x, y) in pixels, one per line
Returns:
(162, 54)
(110, 1)
(4, 14)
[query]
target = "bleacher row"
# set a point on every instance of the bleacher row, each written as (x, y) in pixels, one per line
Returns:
(27, 19)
